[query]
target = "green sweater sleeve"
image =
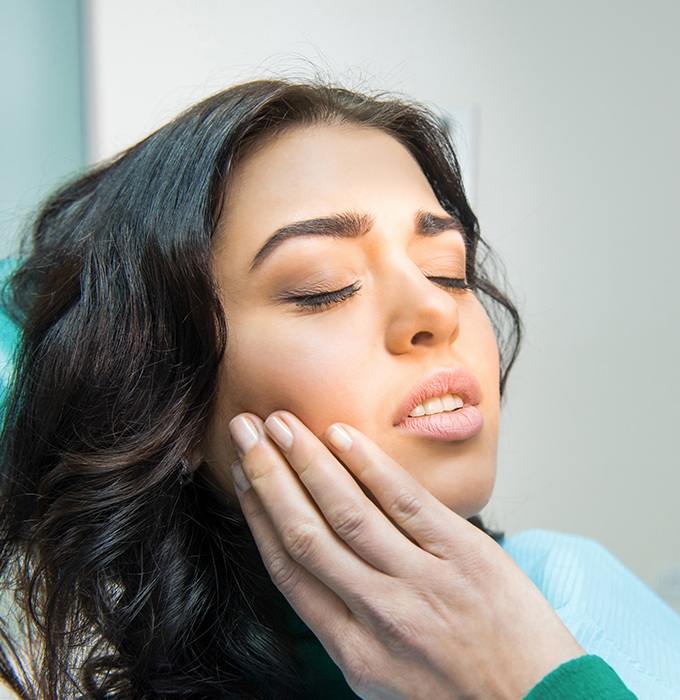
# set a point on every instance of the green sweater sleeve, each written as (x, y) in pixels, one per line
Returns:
(583, 678)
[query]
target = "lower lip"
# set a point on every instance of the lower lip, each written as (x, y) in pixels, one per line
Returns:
(452, 426)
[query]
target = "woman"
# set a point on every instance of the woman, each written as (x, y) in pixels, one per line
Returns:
(306, 255)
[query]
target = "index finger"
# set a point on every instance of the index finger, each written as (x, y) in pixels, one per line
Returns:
(350, 513)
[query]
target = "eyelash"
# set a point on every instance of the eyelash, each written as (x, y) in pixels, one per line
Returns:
(455, 284)
(325, 300)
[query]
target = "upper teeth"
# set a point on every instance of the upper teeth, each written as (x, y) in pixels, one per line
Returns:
(437, 404)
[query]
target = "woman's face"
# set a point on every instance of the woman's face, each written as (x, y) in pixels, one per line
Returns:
(340, 275)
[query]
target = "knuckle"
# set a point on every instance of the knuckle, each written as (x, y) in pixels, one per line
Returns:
(348, 522)
(396, 632)
(283, 573)
(406, 505)
(304, 462)
(394, 625)
(299, 538)
(358, 671)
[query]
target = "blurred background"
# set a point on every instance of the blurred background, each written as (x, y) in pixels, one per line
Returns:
(568, 118)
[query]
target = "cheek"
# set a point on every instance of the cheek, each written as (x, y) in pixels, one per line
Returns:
(290, 368)
(481, 347)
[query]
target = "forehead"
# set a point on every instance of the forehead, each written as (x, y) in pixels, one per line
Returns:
(313, 171)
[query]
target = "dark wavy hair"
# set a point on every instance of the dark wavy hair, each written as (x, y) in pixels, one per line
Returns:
(119, 580)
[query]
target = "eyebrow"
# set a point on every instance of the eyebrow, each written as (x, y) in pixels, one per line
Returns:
(432, 224)
(350, 225)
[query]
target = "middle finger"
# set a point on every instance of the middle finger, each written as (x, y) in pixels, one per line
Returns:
(352, 515)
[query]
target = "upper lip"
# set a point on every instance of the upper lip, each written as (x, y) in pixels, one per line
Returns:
(460, 381)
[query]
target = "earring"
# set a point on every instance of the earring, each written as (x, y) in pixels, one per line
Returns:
(186, 475)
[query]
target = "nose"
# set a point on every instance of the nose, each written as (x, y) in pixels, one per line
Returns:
(420, 314)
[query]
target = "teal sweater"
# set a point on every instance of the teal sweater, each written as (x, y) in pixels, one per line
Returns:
(585, 678)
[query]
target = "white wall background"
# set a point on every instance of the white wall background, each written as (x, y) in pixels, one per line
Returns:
(578, 175)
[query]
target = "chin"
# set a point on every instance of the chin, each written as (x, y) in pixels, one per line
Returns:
(469, 499)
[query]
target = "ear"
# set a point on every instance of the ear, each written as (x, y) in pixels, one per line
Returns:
(195, 458)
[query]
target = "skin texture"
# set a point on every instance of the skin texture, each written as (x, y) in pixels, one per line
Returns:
(431, 608)
(362, 531)
(356, 360)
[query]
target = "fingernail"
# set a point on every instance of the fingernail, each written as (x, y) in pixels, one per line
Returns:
(279, 431)
(243, 433)
(239, 478)
(339, 438)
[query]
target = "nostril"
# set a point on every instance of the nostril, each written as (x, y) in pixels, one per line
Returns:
(421, 337)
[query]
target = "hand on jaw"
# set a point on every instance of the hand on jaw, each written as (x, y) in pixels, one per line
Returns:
(430, 608)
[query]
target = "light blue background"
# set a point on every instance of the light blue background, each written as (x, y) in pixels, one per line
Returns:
(42, 131)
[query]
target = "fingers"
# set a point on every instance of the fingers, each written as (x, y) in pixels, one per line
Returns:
(407, 504)
(318, 606)
(329, 547)
(345, 507)
(413, 508)
(287, 519)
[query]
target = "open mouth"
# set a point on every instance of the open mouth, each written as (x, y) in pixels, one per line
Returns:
(443, 406)
(437, 404)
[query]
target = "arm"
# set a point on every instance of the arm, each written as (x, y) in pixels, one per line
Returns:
(430, 608)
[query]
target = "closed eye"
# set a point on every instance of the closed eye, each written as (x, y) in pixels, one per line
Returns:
(453, 283)
(320, 301)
